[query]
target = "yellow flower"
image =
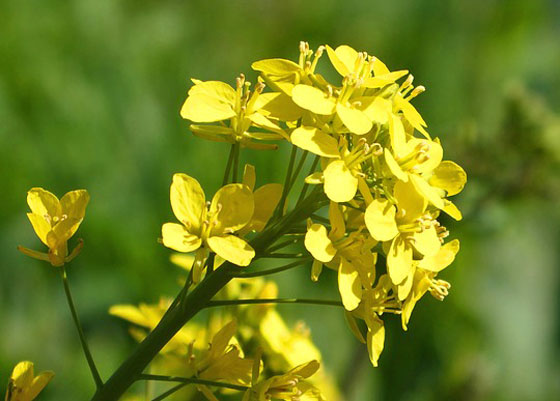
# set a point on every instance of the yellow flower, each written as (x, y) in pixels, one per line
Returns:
(290, 386)
(24, 385)
(215, 101)
(210, 227)
(55, 221)
(406, 227)
(424, 279)
(350, 255)
(223, 360)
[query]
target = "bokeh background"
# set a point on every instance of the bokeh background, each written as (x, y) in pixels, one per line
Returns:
(89, 98)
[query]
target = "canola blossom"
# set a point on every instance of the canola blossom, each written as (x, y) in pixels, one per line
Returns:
(364, 188)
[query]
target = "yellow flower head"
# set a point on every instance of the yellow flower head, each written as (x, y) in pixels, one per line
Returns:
(55, 221)
(209, 227)
(24, 385)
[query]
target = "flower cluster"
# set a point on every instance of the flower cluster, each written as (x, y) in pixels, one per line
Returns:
(368, 209)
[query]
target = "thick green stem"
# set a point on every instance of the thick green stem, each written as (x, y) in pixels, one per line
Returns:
(266, 272)
(237, 150)
(287, 182)
(306, 186)
(195, 301)
(87, 353)
(227, 172)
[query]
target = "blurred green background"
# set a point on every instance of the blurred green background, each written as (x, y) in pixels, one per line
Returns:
(89, 98)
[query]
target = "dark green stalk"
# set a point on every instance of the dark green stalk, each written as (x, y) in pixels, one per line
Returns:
(298, 168)
(228, 165)
(87, 353)
(237, 148)
(306, 186)
(169, 392)
(286, 189)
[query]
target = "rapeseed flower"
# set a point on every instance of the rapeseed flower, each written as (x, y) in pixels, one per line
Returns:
(24, 385)
(55, 222)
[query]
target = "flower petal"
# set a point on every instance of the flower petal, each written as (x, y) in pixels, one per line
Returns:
(41, 226)
(343, 59)
(276, 66)
(202, 108)
(313, 99)
(355, 120)
(431, 194)
(375, 339)
(399, 260)
(442, 259)
(349, 285)
(176, 236)
(232, 249)
(43, 202)
(340, 184)
(380, 220)
(39, 384)
(215, 89)
(315, 141)
(74, 203)
(232, 208)
(317, 242)
(427, 242)
(410, 200)
(449, 176)
(187, 201)
(266, 200)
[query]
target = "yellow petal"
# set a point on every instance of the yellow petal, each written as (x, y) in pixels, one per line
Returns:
(41, 226)
(405, 287)
(452, 210)
(266, 200)
(398, 136)
(316, 269)
(338, 228)
(315, 141)
(249, 176)
(313, 99)
(22, 375)
(74, 203)
(394, 167)
(442, 259)
(343, 59)
(377, 109)
(430, 193)
(450, 177)
(427, 242)
(410, 200)
(380, 220)
(187, 201)
(349, 285)
(43, 202)
(176, 236)
(355, 120)
(62, 231)
(202, 108)
(232, 249)
(340, 184)
(375, 340)
(379, 67)
(276, 66)
(399, 260)
(411, 114)
(215, 89)
(317, 242)
(434, 154)
(315, 178)
(380, 81)
(278, 105)
(130, 313)
(232, 208)
(39, 384)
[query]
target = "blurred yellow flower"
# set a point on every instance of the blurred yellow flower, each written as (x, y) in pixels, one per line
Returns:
(24, 385)
(55, 221)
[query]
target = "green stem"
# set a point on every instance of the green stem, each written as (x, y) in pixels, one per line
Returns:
(237, 148)
(228, 165)
(87, 353)
(284, 244)
(284, 255)
(306, 186)
(272, 271)
(287, 181)
(191, 380)
(172, 390)
(298, 168)
(229, 302)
